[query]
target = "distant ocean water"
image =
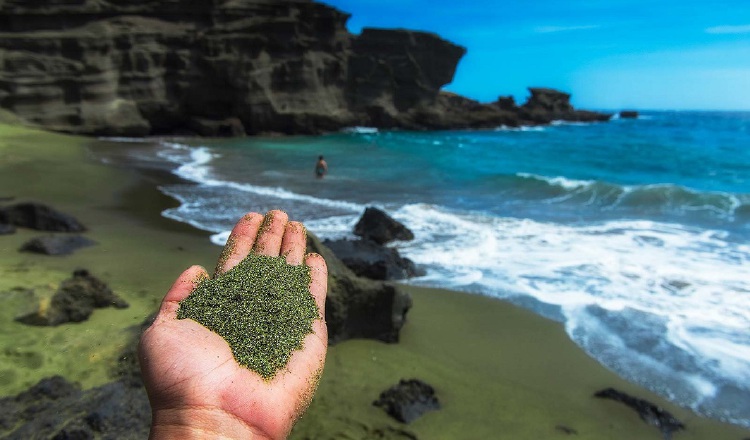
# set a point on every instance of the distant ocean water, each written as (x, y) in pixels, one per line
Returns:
(634, 233)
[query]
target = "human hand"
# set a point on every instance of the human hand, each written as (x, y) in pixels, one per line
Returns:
(195, 386)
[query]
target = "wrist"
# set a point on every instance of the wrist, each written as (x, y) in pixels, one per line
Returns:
(199, 423)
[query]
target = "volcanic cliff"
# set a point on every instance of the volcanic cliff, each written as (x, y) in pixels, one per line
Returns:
(233, 67)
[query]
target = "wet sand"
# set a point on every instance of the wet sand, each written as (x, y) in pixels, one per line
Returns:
(498, 370)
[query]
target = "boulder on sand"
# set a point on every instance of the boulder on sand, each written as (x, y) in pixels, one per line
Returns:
(408, 400)
(40, 217)
(74, 301)
(56, 244)
(357, 307)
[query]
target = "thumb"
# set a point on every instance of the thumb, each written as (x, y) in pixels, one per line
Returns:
(182, 287)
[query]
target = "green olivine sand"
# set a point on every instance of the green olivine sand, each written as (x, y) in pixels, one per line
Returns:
(262, 307)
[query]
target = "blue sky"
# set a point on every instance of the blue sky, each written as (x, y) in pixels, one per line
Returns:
(610, 54)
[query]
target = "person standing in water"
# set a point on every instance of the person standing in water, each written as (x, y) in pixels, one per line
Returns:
(321, 168)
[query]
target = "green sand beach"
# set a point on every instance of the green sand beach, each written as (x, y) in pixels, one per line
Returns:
(498, 370)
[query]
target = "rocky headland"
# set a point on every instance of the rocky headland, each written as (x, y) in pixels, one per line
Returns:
(235, 67)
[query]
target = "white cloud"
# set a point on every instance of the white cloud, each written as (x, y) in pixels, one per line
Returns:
(550, 29)
(727, 29)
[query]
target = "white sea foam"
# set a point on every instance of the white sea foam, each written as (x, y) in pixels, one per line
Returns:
(174, 152)
(360, 130)
(560, 181)
(332, 228)
(196, 167)
(692, 279)
(560, 122)
(522, 128)
(220, 238)
(619, 285)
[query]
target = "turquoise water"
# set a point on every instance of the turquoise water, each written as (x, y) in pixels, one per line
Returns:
(634, 233)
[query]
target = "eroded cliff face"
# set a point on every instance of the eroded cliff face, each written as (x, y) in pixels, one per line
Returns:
(134, 68)
(218, 67)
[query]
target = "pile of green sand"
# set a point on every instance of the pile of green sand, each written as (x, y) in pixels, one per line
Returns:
(262, 307)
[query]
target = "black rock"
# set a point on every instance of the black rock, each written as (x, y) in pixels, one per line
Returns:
(56, 244)
(649, 413)
(40, 217)
(408, 400)
(381, 228)
(57, 409)
(75, 300)
(371, 260)
(628, 114)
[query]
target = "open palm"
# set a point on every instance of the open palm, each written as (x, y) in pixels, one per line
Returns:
(195, 386)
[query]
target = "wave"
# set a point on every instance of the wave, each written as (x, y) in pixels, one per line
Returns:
(637, 199)
(541, 128)
(560, 122)
(637, 277)
(360, 130)
(662, 304)
(522, 128)
(214, 203)
(198, 170)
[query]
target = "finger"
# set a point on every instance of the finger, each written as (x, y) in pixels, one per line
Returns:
(239, 243)
(185, 283)
(294, 243)
(271, 231)
(318, 280)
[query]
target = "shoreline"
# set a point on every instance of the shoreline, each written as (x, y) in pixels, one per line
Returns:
(499, 370)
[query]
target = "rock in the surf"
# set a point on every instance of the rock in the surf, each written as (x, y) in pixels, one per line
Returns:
(380, 227)
(371, 260)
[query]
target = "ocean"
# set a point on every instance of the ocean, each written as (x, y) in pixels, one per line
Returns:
(633, 233)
